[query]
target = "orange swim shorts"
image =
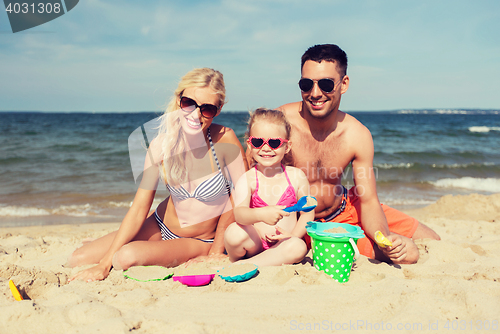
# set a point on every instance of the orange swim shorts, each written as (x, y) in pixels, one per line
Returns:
(398, 221)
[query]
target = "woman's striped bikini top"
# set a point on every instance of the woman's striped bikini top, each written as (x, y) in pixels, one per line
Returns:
(209, 190)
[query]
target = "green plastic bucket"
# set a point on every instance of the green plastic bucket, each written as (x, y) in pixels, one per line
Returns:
(334, 255)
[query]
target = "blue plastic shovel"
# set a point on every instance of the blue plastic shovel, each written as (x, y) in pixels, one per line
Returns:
(300, 205)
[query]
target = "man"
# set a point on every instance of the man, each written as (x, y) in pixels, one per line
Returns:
(325, 140)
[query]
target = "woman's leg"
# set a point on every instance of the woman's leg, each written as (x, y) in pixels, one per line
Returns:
(242, 241)
(166, 253)
(94, 251)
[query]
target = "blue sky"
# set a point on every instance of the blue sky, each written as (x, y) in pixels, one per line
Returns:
(129, 55)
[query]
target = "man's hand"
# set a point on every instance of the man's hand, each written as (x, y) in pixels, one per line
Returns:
(398, 251)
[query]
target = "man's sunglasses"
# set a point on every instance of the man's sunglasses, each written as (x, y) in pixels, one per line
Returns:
(273, 143)
(326, 85)
(207, 110)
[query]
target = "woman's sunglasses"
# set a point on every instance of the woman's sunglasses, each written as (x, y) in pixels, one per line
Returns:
(273, 143)
(326, 85)
(207, 110)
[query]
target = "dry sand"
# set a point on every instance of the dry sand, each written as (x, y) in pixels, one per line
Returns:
(453, 288)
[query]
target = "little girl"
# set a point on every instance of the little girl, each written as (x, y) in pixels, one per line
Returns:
(263, 233)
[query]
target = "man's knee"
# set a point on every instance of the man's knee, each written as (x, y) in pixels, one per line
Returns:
(425, 232)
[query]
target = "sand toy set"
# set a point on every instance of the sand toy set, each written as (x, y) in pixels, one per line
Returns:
(334, 248)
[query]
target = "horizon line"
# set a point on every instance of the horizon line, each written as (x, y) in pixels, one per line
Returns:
(443, 110)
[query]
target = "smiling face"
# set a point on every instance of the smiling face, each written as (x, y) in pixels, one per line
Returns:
(266, 156)
(193, 122)
(318, 103)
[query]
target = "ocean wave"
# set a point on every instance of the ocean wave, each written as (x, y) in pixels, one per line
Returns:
(20, 211)
(484, 129)
(456, 165)
(82, 210)
(66, 210)
(75, 210)
(402, 165)
(449, 111)
(120, 204)
(409, 165)
(472, 183)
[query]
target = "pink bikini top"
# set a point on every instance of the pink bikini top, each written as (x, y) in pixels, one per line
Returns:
(288, 198)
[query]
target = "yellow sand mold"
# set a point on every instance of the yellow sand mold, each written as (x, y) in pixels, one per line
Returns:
(15, 292)
(381, 240)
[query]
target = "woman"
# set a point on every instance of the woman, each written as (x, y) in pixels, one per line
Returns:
(197, 160)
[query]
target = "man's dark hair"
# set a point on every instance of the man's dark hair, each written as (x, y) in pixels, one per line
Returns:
(326, 52)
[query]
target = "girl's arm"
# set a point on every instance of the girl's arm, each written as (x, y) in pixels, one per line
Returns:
(245, 215)
(242, 192)
(303, 190)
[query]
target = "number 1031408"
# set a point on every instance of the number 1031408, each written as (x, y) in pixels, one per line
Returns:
(479, 325)
(41, 8)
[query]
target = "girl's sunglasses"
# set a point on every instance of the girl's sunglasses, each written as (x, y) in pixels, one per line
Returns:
(207, 110)
(273, 143)
(326, 85)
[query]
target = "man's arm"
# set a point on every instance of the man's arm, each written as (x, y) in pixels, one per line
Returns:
(372, 216)
(404, 249)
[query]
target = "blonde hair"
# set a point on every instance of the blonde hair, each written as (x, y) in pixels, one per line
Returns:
(174, 145)
(271, 116)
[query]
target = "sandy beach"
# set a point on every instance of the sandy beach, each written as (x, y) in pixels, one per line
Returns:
(455, 286)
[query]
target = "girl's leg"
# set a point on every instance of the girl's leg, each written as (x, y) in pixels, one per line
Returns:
(242, 241)
(166, 253)
(288, 251)
(94, 251)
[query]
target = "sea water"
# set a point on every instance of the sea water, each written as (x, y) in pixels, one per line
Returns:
(75, 167)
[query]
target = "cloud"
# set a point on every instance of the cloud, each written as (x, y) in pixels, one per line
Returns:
(129, 55)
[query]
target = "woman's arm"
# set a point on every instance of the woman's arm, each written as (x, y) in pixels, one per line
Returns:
(129, 228)
(224, 221)
(236, 164)
(131, 224)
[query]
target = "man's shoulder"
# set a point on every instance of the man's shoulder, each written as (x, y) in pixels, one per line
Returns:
(356, 134)
(353, 124)
(290, 107)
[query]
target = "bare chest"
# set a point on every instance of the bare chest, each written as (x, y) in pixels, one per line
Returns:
(321, 159)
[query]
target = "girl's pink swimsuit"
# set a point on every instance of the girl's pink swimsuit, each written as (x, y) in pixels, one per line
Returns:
(288, 198)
